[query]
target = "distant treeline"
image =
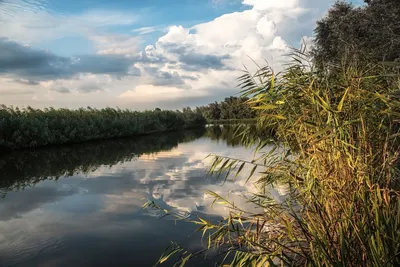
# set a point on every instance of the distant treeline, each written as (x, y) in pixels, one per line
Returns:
(232, 108)
(29, 127)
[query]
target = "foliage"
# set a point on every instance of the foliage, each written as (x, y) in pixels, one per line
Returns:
(369, 32)
(338, 156)
(21, 128)
(230, 109)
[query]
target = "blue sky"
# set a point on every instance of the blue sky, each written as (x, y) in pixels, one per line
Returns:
(151, 18)
(142, 54)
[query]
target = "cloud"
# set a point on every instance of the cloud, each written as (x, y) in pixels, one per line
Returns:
(5, 92)
(147, 30)
(116, 44)
(214, 51)
(196, 61)
(159, 77)
(28, 63)
(62, 90)
(149, 93)
(25, 82)
(103, 64)
(88, 88)
(33, 22)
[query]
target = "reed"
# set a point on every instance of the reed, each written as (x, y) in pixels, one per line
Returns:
(337, 154)
(29, 127)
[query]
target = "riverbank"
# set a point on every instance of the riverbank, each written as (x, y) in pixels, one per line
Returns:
(29, 128)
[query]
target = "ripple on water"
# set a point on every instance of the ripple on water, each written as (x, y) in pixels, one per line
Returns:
(27, 246)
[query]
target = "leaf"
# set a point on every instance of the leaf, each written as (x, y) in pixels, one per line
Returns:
(240, 169)
(184, 260)
(251, 173)
(171, 253)
(266, 107)
(340, 106)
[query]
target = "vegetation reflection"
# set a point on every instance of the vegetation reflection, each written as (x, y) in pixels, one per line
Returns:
(28, 167)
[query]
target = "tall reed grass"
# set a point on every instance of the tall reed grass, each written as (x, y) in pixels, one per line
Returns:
(339, 131)
(21, 128)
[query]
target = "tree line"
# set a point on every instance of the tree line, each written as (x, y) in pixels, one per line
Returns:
(231, 108)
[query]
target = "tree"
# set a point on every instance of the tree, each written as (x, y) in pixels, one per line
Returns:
(231, 108)
(370, 32)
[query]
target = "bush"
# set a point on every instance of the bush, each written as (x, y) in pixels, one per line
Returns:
(34, 127)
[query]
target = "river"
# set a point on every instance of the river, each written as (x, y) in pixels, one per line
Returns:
(81, 205)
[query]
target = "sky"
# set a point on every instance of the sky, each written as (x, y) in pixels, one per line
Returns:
(142, 54)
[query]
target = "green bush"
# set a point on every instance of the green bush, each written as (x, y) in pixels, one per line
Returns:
(34, 127)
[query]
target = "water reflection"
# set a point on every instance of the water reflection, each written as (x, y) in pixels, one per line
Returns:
(94, 216)
(27, 167)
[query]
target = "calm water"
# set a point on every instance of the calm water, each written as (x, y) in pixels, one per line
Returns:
(81, 205)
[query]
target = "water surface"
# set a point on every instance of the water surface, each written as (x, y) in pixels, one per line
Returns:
(81, 205)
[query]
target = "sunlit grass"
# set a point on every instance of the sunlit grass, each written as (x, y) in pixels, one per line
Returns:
(339, 133)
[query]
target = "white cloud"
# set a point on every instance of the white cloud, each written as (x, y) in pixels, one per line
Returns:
(153, 94)
(24, 22)
(150, 29)
(117, 44)
(266, 28)
(205, 49)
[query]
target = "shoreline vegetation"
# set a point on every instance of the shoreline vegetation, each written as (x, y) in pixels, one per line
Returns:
(340, 133)
(22, 128)
(30, 128)
(231, 108)
(335, 112)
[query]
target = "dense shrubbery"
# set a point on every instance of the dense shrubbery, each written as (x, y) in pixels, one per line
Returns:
(369, 32)
(232, 108)
(33, 127)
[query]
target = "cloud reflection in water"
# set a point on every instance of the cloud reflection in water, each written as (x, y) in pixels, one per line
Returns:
(96, 214)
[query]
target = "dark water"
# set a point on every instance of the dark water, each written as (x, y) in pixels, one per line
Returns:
(81, 205)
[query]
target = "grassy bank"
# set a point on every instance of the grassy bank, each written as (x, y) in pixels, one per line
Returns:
(34, 127)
